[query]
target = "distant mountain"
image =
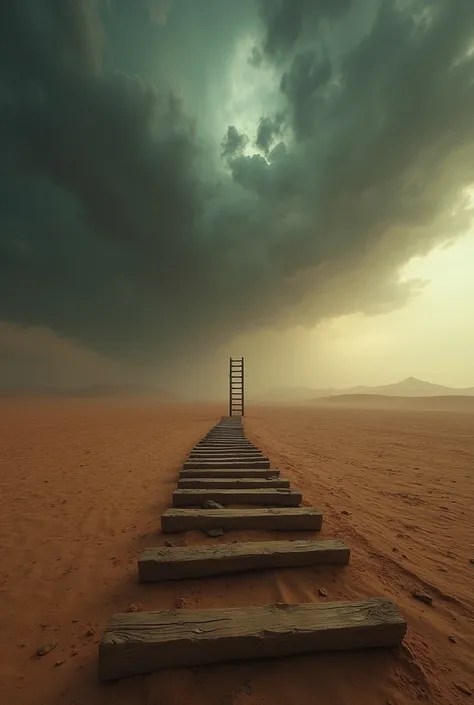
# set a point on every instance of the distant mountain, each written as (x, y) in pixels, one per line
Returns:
(410, 387)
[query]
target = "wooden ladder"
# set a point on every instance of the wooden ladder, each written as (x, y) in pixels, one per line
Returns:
(236, 386)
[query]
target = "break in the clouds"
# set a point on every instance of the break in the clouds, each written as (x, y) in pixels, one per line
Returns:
(136, 223)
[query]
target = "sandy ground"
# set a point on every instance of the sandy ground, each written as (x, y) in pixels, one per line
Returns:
(82, 485)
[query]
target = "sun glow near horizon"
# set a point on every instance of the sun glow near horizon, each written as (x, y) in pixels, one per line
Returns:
(431, 337)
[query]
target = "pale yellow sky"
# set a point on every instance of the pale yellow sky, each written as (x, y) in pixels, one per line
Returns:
(431, 338)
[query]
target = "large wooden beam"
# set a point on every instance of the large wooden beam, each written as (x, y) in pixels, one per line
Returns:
(216, 443)
(236, 431)
(288, 519)
(226, 463)
(264, 498)
(179, 562)
(232, 472)
(218, 452)
(226, 433)
(223, 441)
(143, 642)
(231, 483)
(221, 446)
(229, 457)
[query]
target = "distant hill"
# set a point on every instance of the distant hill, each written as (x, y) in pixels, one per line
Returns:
(410, 387)
(444, 402)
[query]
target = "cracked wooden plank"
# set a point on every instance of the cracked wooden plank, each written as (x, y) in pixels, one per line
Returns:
(144, 642)
(162, 563)
(274, 497)
(232, 472)
(226, 463)
(279, 519)
(230, 483)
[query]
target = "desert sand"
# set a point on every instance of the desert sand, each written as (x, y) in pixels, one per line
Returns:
(83, 483)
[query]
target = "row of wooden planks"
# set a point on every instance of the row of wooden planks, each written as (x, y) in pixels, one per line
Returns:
(223, 472)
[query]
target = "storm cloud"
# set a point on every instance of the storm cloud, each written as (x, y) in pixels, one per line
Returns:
(131, 226)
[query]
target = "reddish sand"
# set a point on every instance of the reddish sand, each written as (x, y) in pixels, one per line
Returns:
(83, 484)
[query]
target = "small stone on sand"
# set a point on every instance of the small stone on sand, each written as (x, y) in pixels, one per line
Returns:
(46, 648)
(322, 592)
(463, 688)
(210, 504)
(422, 597)
(214, 533)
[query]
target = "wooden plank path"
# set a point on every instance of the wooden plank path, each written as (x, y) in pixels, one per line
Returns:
(223, 474)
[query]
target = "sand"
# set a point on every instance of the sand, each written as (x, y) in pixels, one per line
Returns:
(83, 483)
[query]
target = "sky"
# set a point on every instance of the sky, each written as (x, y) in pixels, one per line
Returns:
(184, 180)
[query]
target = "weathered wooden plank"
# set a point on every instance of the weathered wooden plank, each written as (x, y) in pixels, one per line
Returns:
(229, 457)
(237, 431)
(264, 498)
(240, 439)
(218, 452)
(227, 429)
(225, 444)
(228, 451)
(161, 563)
(232, 472)
(143, 642)
(231, 437)
(231, 483)
(287, 519)
(241, 442)
(226, 463)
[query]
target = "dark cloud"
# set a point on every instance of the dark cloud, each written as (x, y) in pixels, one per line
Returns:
(303, 86)
(127, 226)
(268, 131)
(256, 57)
(158, 10)
(287, 21)
(233, 143)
